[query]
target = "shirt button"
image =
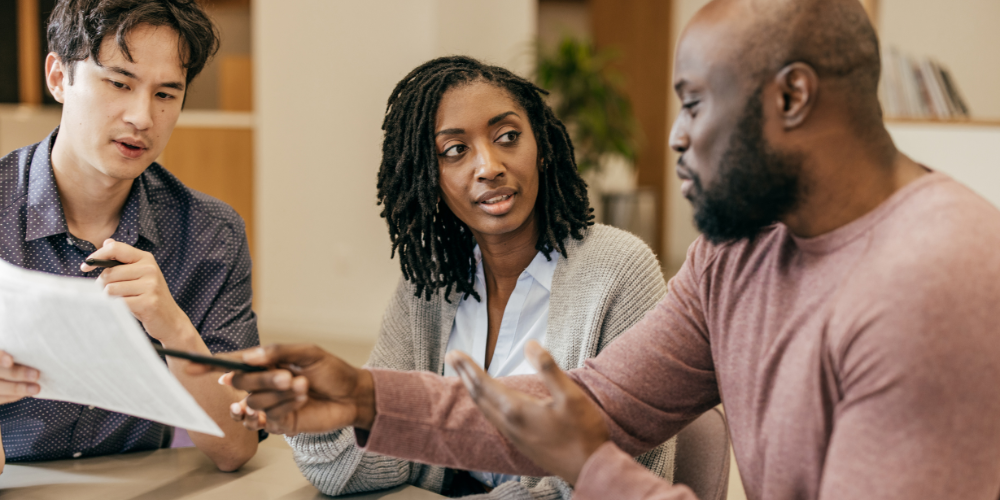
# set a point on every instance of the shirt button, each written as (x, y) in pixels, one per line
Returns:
(77, 455)
(69, 240)
(91, 407)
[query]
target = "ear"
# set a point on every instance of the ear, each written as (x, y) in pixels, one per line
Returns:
(798, 88)
(56, 76)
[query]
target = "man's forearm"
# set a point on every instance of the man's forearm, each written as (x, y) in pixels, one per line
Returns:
(428, 418)
(239, 445)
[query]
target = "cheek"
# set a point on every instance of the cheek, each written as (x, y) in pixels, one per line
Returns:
(450, 188)
(708, 145)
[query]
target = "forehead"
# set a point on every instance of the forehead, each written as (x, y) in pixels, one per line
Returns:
(155, 52)
(712, 45)
(474, 102)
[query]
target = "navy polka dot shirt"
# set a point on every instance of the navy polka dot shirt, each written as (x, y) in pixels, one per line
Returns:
(200, 245)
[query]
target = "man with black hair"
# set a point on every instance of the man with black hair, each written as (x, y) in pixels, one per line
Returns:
(841, 304)
(91, 189)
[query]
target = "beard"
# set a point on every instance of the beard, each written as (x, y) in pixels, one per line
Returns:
(756, 185)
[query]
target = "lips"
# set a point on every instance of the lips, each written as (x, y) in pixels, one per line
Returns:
(687, 182)
(497, 202)
(130, 148)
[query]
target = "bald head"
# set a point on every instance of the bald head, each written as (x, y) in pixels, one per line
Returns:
(834, 37)
(772, 91)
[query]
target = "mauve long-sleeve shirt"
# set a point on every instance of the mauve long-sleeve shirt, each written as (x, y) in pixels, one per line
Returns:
(863, 363)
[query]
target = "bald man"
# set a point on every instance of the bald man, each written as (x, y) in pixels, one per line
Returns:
(840, 303)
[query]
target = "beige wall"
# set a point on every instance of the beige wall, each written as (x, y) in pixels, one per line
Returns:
(969, 153)
(962, 34)
(680, 225)
(324, 70)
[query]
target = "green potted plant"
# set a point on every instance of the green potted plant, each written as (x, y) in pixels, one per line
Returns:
(587, 96)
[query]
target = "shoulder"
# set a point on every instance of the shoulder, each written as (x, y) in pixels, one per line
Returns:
(929, 280)
(941, 241)
(14, 169)
(606, 248)
(174, 199)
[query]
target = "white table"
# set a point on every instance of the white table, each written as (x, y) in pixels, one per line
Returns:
(174, 473)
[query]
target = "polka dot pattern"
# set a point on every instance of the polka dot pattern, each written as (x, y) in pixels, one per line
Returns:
(200, 245)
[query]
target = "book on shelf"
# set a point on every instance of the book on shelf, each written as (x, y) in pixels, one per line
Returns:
(918, 87)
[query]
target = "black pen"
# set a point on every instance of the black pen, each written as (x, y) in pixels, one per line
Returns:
(103, 263)
(209, 360)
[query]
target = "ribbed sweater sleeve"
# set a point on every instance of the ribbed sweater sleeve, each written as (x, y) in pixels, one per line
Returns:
(332, 462)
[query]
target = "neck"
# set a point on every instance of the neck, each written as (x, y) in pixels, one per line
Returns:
(92, 201)
(506, 256)
(844, 179)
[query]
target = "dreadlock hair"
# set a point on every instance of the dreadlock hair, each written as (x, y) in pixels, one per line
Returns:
(435, 247)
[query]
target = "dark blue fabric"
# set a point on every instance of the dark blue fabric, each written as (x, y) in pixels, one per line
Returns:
(200, 245)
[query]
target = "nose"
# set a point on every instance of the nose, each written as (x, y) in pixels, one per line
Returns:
(679, 140)
(139, 112)
(489, 167)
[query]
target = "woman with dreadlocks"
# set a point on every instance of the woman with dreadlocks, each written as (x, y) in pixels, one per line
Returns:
(493, 229)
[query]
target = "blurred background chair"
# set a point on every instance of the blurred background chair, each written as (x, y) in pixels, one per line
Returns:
(703, 456)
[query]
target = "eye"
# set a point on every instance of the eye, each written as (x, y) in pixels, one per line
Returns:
(509, 137)
(164, 95)
(118, 85)
(455, 150)
(690, 106)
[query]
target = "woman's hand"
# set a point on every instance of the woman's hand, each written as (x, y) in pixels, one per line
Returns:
(306, 390)
(559, 433)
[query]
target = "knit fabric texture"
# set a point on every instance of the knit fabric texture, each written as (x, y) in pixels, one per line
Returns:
(608, 282)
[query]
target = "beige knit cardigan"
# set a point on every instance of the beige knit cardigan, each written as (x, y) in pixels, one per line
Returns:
(605, 285)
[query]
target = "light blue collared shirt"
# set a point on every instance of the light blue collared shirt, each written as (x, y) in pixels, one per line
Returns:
(526, 317)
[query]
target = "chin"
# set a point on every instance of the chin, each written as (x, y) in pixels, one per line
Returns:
(126, 171)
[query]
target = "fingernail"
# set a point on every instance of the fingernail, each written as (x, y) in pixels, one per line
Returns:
(31, 374)
(222, 378)
(283, 380)
(300, 384)
(250, 411)
(235, 409)
(32, 389)
(300, 398)
(6, 361)
(254, 355)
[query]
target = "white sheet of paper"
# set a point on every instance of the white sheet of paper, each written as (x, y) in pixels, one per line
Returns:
(89, 349)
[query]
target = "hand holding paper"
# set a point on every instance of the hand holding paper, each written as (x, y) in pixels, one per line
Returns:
(88, 349)
(16, 381)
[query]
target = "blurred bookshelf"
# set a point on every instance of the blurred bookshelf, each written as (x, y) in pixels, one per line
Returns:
(944, 122)
(937, 64)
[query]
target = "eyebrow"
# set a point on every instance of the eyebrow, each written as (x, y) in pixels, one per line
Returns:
(680, 85)
(501, 116)
(451, 131)
(490, 123)
(122, 71)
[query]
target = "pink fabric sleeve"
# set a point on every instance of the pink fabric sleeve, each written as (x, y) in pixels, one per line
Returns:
(428, 418)
(612, 473)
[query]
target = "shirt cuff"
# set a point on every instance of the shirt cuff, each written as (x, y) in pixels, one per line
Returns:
(612, 473)
(401, 407)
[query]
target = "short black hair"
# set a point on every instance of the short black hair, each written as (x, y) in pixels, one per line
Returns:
(435, 247)
(77, 28)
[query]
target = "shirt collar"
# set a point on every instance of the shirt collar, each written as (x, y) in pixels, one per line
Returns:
(540, 268)
(45, 215)
(137, 217)
(44, 211)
